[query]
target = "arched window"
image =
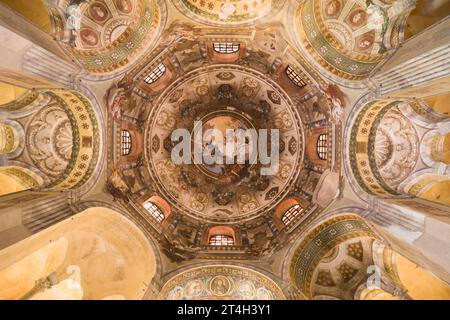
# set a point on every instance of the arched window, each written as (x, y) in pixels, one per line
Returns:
(294, 77)
(322, 146)
(126, 142)
(221, 240)
(226, 47)
(154, 211)
(155, 74)
(291, 214)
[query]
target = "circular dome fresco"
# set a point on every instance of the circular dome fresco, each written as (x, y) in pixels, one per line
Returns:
(221, 283)
(227, 99)
(228, 12)
(223, 120)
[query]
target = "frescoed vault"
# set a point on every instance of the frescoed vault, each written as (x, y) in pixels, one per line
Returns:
(349, 38)
(221, 283)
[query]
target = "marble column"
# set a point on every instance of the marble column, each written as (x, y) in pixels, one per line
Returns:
(17, 23)
(28, 212)
(417, 229)
(418, 68)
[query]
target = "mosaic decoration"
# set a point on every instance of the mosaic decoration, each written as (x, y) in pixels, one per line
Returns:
(156, 142)
(49, 140)
(113, 33)
(81, 125)
(247, 93)
(221, 191)
(226, 76)
(26, 178)
(347, 272)
(9, 139)
(26, 99)
(425, 112)
(325, 279)
(347, 37)
(221, 283)
(319, 242)
(222, 12)
(384, 147)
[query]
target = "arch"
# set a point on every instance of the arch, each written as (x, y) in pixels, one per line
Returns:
(103, 36)
(73, 135)
(376, 294)
(378, 166)
(435, 148)
(9, 93)
(388, 139)
(61, 140)
(15, 179)
(314, 142)
(17, 100)
(221, 236)
(214, 282)
(345, 38)
(328, 243)
(228, 51)
(289, 211)
(429, 186)
(440, 149)
(9, 138)
(95, 254)
(155, 206)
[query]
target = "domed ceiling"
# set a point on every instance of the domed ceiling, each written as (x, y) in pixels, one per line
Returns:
(349, 38)
(269, 225)
(224, 98)
(105, 36)
(188, 81)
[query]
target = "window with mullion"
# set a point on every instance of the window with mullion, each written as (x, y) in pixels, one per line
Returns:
(291, 214)
(155, 74)
(294, 77)
(154, 211)
(226, 47)
(221, 240)
(126, 142)
(322, 146)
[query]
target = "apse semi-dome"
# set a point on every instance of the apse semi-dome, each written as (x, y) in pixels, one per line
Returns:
(221, 282)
